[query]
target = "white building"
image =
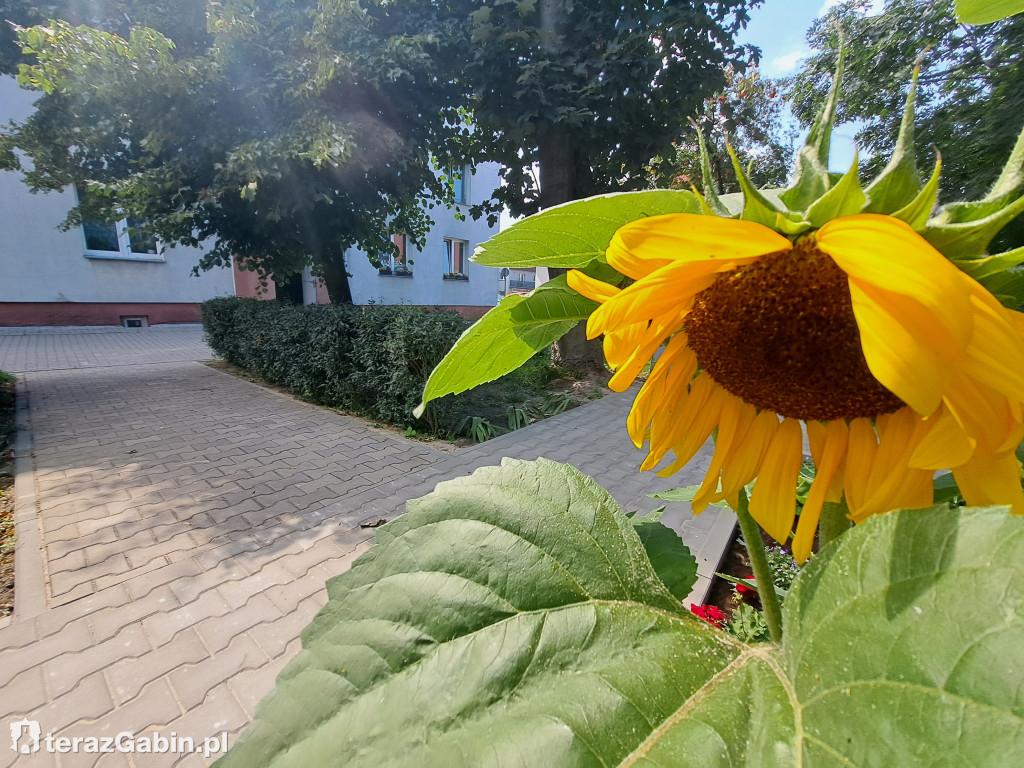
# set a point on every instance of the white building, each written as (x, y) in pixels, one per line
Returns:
(100, 274)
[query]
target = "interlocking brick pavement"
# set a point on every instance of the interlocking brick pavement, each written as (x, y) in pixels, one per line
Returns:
(189, 519)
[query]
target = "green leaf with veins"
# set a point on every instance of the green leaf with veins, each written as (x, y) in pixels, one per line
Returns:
(513, 618)
(577, 233)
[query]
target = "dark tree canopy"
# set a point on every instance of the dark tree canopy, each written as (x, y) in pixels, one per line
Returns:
(587, 91)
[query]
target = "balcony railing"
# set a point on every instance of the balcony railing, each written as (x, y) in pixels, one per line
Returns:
(521, 285)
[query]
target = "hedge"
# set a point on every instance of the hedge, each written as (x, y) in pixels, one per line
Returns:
(371, 360)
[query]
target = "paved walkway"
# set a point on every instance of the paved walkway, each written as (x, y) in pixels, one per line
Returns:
(176, 526)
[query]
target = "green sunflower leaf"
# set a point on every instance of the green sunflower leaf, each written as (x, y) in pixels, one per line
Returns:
(509, 335)
(898, 185)
(512, 618)
(759, 208)
(1012, 175)
(917, 211)
(670, 557)
(710, 198)
(963, 230)
(960, 232)
(991, 265)
(575, 234)
(844, 199)
(986, 11)
(686, 493)
(1007, 286)
(811, 178)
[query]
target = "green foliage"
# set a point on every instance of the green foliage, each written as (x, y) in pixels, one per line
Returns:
(514, 618)
(685, 493)
(368, 360)
(590, 115)
(555, 403)
(987, 11)
(748, 625)
(517, 417)
(783, 567)
(233, 139)
(478, 428)
(747, 114)
(969, 97)
(506, 337)
(578, 233)
(669, 556)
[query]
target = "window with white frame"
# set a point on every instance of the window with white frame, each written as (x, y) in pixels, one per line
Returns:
(455, 253)
(122, 239)
(391, 263)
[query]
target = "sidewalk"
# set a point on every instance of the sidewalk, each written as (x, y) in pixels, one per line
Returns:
(188, 520)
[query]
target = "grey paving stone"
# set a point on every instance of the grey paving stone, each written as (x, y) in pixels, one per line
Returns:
(190, 519)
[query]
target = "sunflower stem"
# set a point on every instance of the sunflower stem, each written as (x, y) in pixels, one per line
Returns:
(834, 522)
(762, 573)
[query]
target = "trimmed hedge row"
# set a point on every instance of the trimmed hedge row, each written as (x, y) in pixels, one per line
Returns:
(372, 360)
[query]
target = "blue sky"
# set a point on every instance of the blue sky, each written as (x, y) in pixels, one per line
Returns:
(779, 29)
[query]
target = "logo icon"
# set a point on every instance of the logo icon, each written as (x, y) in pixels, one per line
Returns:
(31, 727)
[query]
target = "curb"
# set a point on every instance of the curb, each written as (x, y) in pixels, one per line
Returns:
(30, 592)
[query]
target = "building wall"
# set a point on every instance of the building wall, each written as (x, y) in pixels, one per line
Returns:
(40, 265)
(427, 285)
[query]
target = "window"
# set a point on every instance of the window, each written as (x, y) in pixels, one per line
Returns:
(455, 252)
(122, 239)
(460, 183)
(390, 264)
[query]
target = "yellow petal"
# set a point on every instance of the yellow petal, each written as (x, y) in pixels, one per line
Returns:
(828, 446)
(945, 444)
(992, 420)
(697, 431)
(670, 289)
(736, 419)
(991, 479)
(906, 350)
(685, 400)
(621, 343)
(676, 361)
(860, 457)
(747, 458)
(645, 245)
(886, 253)
(898, 435)
(653, 337)
(773, 501)
(995, 354)
(591, 287)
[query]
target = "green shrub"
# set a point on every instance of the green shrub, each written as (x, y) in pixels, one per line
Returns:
(372, 360)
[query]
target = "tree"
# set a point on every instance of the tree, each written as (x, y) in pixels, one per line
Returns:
(970, 100)
(746, 115)
(237, 132)
(581, 94)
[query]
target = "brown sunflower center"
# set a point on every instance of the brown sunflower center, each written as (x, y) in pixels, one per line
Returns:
(780, 334)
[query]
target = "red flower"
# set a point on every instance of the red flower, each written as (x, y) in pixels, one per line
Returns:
(710, 613)
(743, 589)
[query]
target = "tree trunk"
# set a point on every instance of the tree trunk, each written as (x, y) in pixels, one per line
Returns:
(559, 183)
(336, 279)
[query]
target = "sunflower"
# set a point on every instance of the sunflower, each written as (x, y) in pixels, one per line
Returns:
(894, 361)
